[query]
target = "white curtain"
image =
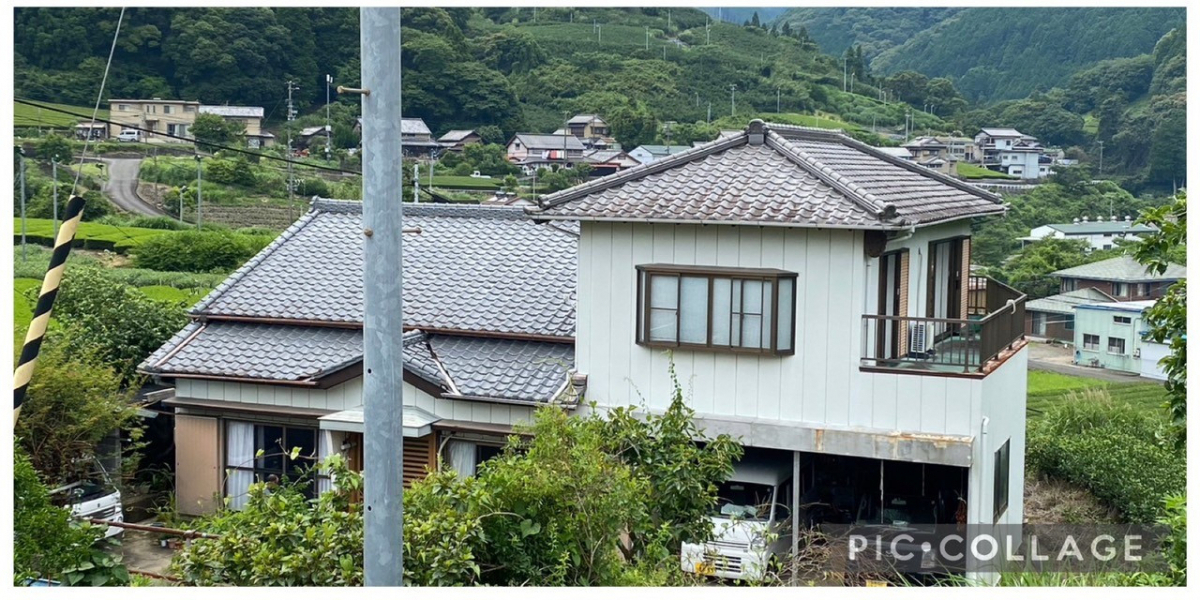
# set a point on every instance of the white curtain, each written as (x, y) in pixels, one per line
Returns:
(324, 450)
(239, 452)
(462, 457)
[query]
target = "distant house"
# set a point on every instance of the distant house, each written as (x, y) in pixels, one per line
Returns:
(457, 139)
(649, 153)
(311, 137)
(1053, 317)
(1122, 278)
(941, 165)
(592, 130)
(948, 148)
(1109, 335)
(1009, 151)
(91, 131)
(607, 162)
(897, 151)
(1099, 234)
(414, 134)
(155, 117)
(532, 151)
(249, 117)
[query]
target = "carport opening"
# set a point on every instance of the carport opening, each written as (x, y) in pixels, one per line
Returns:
(866, 491)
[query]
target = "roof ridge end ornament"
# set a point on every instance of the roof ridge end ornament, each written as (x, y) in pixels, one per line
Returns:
(756, 131)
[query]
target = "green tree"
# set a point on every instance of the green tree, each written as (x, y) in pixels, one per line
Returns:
(211, 130)
(48, 543)
(1168, 317)
(633, 126)
(1168, 150)
(54, 146)
(1029, 269)
(120, 323)
(73, 402)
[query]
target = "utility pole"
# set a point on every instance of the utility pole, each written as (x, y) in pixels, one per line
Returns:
(21, 157)
(54, 202)
(383, 316)
(668, 19)
(291, 116)
(707, 31)
(732, 104)
(1102, 158)
(182, 189)
(416, 183)
(777, 97)
(647, 37)
(199, 190)
(852, 83)
(709, 120)
(328, 123)
(843, 72)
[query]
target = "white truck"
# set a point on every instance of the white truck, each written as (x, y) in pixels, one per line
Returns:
(751, 523)
(92, 499)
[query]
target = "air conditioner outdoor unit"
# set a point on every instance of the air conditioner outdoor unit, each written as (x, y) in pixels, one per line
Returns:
(1137, 352)
(918, 339)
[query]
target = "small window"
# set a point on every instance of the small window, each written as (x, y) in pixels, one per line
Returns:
(1143, 290)
(1069, 322)
(167, 109)
(189, 108)
(1116, 345)
(1069, 285)
(744, 310)
(122, 107)
(1122, 320)
(1091, 342)
(1120, 289)
(1000, 484)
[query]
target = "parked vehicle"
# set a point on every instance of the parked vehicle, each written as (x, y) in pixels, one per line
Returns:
(751, 523)
(478, 175)
(129, 135)
(92, 499)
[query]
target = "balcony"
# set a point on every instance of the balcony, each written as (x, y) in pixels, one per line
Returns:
(995, 324)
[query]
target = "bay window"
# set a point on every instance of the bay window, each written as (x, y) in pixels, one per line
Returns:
(741, 310)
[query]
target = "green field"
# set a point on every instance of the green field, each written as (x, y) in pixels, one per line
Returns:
(806, 120)
(29, 116)
(466, 182)
(1047, 390)
(92, 236)
(969, 171)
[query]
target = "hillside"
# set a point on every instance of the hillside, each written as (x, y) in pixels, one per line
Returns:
(876, 29)
(989, 53)
(766, 14)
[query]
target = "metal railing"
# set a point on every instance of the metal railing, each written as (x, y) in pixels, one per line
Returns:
(996, 321)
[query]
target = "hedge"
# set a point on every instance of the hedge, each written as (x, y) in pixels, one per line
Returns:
(90, 236)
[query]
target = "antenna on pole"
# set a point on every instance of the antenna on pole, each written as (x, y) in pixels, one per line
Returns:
(383, 322)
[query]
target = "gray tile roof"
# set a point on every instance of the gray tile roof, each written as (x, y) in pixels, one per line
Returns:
(794, 176)
(233, 111)
(456, 135)
(1121, 268)
(483, 368)
(1093, 227)
(470, 269)
(1066, 302)
(541, 141)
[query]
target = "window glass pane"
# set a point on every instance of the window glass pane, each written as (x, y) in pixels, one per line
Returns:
(722, 304)
(737, 295)
(662, 325)
(269, 439)
(305, 439)
(751, 331)
(693, 310)
(752, 296)
(767, 300)
(785, 314)
(664, 291)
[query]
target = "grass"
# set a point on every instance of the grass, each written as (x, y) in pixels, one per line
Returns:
(30, 116)
(1047, 390)
(466, 182)
(90, 235)
(22, 307)
(969, 171)
(166, 293)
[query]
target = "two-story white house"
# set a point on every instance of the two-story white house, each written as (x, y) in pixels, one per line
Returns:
(812, 295)
(1012, 152)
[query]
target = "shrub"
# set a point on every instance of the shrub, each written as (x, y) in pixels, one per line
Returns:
(198, 251)
(1112, 449)
(147, 222)
(117, 320)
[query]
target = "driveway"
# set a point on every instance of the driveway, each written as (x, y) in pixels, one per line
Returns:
(1056, 358)
(122, 183)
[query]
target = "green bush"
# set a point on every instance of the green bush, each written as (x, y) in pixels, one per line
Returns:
(198, 251)
(1112, 449)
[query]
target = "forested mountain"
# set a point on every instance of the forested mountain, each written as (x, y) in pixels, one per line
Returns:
(874, 28)
(989, 53)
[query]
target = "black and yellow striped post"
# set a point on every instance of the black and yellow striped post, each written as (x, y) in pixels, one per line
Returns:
(41, 314)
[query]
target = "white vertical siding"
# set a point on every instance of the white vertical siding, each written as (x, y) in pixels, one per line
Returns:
(820, 384)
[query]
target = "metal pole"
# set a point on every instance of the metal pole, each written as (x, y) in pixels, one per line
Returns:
(199, 190)
(21, 156)
(383, 361)
(291, 113)
(732, 104)
(328, 125)
(54, 203)
(416, 183)
(182, 189)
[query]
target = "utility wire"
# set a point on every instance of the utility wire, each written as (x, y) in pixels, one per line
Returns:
(188, 139)
(99, 96)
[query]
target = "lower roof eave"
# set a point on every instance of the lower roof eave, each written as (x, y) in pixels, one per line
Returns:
(234, 379)
(537, 216)
(514, 401)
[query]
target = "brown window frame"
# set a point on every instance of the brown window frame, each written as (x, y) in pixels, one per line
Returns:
(774, 276)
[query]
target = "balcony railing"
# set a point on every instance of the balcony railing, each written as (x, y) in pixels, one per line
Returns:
(995, 323)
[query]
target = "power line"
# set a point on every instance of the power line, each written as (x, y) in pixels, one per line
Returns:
(99, 95)
(187, 139)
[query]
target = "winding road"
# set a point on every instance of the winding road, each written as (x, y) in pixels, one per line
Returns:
(122, 183)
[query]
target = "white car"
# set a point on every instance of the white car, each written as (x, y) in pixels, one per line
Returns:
(478, 175)
(750, 525)
(129, 135)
